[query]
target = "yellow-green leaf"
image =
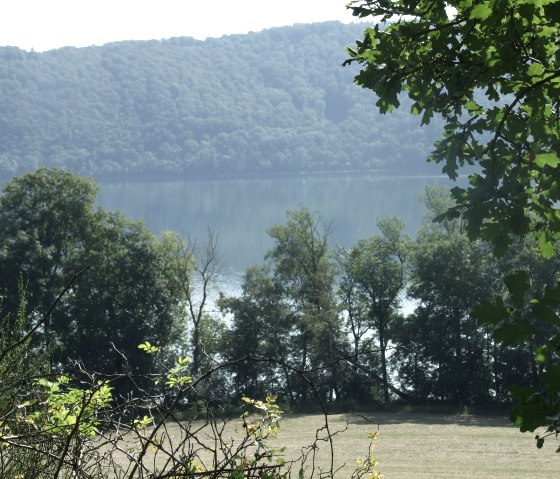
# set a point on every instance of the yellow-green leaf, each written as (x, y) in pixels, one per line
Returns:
(547, 159)
(535, 70)
(481, 11)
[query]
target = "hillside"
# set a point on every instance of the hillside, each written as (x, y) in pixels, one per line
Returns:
(266, 103)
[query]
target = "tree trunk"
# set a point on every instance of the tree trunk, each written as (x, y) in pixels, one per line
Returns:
(383, 352)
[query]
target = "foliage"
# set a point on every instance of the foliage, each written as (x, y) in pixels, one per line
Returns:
(64, 407)
(490, 71)
(46, 421)
(75, 428)
(44, 217)
(287, 315)
(266, 103)
(441, 353)
(518, 322)
(366, 466)
(305, 271)
(261, 326)
(374, 277)
(51, 230)
(434, 353)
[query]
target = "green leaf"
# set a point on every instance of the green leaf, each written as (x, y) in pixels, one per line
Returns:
(149, 348)
(515, 333)
(530, 410)
(490, 313)
(540, 442)
(481, 11)
(545, 245)
(427, 116)
(547, 159)
(472, 106)
(541, 355)
(535, 70)
(544, 312)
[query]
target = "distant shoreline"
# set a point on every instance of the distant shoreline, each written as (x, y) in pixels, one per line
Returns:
(164, 178)
(171, 177)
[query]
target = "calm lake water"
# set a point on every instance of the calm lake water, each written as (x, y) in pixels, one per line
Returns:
(240, 211)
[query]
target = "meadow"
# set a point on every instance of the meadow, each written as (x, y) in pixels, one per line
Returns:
(412, 445)
(409, 445)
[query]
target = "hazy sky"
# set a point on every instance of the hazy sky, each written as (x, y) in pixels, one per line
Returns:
(47, 24)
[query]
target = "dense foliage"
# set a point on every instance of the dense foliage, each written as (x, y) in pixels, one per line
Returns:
(310, 314)
(52, 231)
(91, 380)
(491, 70)
(334, 317)
(73, 425)
(272, 102)
(319, 327)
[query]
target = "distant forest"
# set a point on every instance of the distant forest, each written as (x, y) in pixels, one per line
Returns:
(268, 103)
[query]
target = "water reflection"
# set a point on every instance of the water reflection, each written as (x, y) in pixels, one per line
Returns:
(240, 211)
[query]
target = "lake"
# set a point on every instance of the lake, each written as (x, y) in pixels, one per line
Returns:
(240, 211)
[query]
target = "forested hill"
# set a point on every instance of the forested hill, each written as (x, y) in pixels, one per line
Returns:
(272, 102)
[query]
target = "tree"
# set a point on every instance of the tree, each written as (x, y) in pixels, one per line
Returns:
(302, 264)
(441, 352)
(197, 270)
(374, 278)
(491, 71)
(45, 217)
(359, 327)
(261, 327)
(130, 293)
(70, 425)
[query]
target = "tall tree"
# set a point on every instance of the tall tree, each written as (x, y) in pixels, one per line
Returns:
(302, 263)
(129, 295)
(198, 269)
(359, 328)
(449, 276)
(442, 353)
(261, 329)
(45, 218)
(373, 281)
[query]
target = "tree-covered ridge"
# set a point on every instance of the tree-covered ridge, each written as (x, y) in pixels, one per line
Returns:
(271, 102)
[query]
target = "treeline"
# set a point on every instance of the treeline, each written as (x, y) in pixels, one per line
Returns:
(337, 315)
(266, 103)
(309, 315)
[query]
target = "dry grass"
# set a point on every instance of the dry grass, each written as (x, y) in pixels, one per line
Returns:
(430, 445)
(409, 445)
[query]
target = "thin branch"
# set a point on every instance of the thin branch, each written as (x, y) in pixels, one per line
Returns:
(45, 316)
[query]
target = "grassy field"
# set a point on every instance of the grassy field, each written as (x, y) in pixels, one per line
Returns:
(429, 445)
(410, 445)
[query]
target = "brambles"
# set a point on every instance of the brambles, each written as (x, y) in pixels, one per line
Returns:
(74, 425)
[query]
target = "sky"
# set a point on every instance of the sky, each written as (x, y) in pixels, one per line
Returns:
(48, 24)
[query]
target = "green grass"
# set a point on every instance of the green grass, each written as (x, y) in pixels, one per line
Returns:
(428, 445)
